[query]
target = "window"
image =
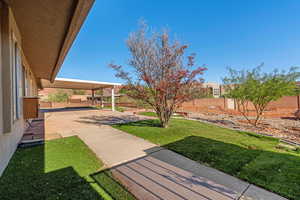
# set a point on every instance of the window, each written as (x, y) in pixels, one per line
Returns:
(17, 81)
(26, 83)
(216, 92)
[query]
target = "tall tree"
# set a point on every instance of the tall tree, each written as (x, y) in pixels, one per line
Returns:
(160, 75)
(254, 86)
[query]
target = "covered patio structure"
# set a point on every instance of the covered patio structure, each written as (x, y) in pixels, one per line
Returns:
(66, 83)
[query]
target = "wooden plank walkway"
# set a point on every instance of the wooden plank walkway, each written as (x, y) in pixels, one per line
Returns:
(150, 178)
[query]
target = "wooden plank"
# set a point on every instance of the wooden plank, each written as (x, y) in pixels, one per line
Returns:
(151, 186)
(137, 190)
(162, 178)
(194, 182)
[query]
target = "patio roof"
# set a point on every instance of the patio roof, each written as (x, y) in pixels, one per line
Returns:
(67, 83)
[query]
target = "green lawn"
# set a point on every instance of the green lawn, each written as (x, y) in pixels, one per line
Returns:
(149, 114)
(61, 169)
(254, 158)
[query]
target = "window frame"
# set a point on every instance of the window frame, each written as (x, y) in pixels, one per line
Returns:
(17, 85)
(216, 92)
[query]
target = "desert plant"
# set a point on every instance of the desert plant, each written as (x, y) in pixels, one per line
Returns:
(161, 77)
(59, 96)
(78, 92)
(254, 86)
(99, 92)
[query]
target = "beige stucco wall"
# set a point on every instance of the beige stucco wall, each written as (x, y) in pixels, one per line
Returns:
(9, 140)
(1, 103)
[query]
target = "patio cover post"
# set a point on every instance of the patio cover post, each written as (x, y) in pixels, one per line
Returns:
(93, 97)
(102, 103)
(113, 98)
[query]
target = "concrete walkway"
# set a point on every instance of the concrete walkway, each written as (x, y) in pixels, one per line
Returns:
(149, 171)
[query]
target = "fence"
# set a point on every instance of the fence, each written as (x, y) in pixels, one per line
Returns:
(198, 105)
(44, 104)
(284, 107)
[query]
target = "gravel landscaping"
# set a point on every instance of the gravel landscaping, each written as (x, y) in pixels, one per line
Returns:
(283, 128)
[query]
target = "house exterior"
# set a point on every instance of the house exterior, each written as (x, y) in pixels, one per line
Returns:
(35, 36)
(215, 89)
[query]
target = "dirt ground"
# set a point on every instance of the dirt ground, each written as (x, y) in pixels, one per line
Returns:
(286, 127)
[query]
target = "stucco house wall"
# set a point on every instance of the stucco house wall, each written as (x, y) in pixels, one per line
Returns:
(11, 135)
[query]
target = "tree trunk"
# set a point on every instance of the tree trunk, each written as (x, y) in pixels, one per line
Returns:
(164, 124)
(164, 119)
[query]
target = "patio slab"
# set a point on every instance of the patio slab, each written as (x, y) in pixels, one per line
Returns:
(256, 193)
(92, 126)
(111, 145)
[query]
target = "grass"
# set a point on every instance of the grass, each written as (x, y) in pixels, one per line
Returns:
(60, 169)
(149, 114)
(254, 158)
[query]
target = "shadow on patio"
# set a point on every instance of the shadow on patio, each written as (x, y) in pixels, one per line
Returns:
(108, 119)
(65, 109)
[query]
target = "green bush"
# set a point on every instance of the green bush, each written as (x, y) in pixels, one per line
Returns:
(78, 92)
(59, 96)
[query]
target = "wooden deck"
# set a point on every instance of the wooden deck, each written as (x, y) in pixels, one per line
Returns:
(149, 178)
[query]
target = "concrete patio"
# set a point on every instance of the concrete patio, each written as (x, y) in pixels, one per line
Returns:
(147, 170)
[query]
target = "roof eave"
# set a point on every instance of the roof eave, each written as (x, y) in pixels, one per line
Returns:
(82, 9)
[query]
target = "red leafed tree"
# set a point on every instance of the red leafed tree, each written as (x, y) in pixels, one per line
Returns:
(161, 76)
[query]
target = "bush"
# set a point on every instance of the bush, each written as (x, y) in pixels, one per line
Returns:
(59, 96)
(78, 92)
(258, 88)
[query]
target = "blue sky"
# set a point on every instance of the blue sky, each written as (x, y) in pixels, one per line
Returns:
(236, 33)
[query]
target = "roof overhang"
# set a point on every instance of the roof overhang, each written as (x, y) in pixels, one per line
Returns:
(48, 29)
(66, 83)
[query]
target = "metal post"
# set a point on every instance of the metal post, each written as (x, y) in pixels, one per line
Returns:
(93, 97)
(102, 102)
(113, 98)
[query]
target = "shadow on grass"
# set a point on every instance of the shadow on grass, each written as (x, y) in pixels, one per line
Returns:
(106, 181)
(57, 169)
(275, 171)
(145, 123)
(25, 178)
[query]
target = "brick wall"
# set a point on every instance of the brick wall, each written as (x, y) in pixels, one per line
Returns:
(284, 107)
(288, 102)
(284, 103)
(203, 104)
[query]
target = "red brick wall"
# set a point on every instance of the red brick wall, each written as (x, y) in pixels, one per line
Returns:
(285, 106)
(203, 104)
(288, 102)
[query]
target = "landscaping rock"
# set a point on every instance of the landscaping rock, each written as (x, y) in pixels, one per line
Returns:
(284, 128)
